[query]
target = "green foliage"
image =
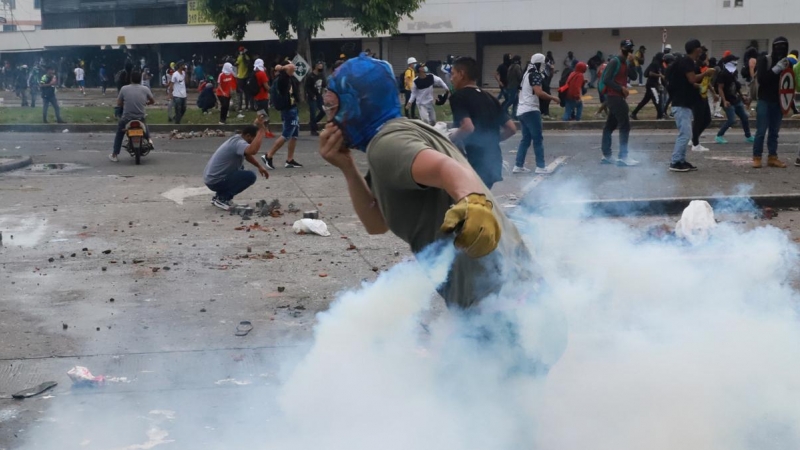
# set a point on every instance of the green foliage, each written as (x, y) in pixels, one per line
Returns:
(369, 17)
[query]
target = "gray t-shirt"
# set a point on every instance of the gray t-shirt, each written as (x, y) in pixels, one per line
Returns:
(228, 158)
(134, 99)
(414, 213)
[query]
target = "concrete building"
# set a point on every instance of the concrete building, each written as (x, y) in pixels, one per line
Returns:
(484, 29)
(20, 15)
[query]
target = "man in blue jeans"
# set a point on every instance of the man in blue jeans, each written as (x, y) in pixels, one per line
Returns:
(225, 175)
(728, 88)
(132, 100)
(768, 110)
(530, 116)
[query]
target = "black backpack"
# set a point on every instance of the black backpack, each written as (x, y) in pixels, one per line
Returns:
(280, 100)
(251, 86)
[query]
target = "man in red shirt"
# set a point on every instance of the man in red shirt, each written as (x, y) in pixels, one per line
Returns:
(226, 85)
(262, 98)
(614, 85)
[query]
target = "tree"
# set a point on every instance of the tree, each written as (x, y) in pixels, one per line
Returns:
(305, 18)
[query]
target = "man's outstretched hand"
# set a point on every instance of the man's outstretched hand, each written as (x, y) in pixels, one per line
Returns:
(476, 227)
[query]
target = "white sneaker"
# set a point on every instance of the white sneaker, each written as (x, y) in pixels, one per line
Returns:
(240, 116)
(518, 169)
(113, 157)
(541, 171)
(627, 161)
(699, 148)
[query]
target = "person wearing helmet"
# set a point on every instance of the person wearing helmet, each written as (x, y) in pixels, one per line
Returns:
(530, 116)
(419, 185)
(408, 81)
(614, 85)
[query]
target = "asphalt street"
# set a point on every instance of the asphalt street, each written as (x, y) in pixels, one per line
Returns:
(131, 272)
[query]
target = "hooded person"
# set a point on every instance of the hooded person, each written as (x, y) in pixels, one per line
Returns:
(594, 63)
(261, 99)
(769, 115)
(728, 88)
(226, 87)
(574, 90)
(419, 185)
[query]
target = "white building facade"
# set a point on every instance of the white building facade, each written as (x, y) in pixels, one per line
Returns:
(486, 29)
(20, 15)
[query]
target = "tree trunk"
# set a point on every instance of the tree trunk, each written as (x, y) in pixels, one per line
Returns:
(304, 50)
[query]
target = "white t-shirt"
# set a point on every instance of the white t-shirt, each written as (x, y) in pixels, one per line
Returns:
(178, 85)
(528, 100)
(78, 74)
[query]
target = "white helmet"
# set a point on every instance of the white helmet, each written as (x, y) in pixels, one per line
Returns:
(412, 60)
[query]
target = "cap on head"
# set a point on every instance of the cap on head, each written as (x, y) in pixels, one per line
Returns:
(728, 59)
(626, 44)
(411, 60)
(692, 45)
(537, 58)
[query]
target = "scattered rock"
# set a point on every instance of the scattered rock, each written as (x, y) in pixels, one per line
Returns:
(50, 260)
(769, 213)
(351, 247)
(138, 261)
(64, 326)
(155, 269)
(202, 310)
(166, 268)
(281, 288)
(111, 300)
(249, 250)
(106, 252)
(195, 224)
(375, 268)
(84, 249)
(72, 255)
(323, 275)
(103, 269)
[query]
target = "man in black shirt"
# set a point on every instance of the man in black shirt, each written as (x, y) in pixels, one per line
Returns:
(482, 123)
(768, 110)
(313, 87)
(501, 75)
(682, 78)
(728, 88)
(653, 75)
(285, 98)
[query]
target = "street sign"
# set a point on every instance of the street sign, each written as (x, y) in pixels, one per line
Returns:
(301, 67)
(787, 89)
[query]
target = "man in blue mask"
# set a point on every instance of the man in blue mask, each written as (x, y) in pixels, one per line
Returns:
(419, 186)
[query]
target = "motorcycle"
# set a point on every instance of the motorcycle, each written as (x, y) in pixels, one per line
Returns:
(137, 145)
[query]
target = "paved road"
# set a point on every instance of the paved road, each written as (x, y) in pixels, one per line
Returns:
(182, 275)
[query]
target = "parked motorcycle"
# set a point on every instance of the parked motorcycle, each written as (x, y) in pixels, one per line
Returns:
(137, 145)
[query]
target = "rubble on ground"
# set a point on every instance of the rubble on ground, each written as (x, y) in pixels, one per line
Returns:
(175, 134)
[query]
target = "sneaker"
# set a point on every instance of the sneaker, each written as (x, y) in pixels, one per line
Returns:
(679, 167)
(541, 171)
(634, 117)
(224, 205)
(627, 162)
(113, 157)
(269, 134)
(750, 139)
(720, 140)
(699, 148)
(689, 166)
(606, 160)
(240, 116)
(292, 164)
(267, 162)
(718, 116)
(523, 169)
(222, 123)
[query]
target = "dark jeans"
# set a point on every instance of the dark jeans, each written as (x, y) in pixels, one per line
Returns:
(544, 105)
(702, 118)
(180, 108)
(617, 118)
(768, 118)
(639, 74)
(411, 112)
(315, 113)
(733, 110)
(233, 185)
(592, 77)
(531, 131)
(512, 98)
(46, 102)
(121, 134)
(243, 96)
(34, 94)
(224, 107)
(649, 96)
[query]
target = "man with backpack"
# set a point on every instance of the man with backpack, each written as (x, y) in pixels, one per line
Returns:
(614, 84)
(257, 87)
(769, 115)
(285, 94)
(682, 78)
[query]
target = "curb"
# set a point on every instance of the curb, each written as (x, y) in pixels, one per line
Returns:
(550, 125)
(18, 163)
(676, 205)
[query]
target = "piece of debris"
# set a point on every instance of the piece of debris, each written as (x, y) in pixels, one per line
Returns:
(36, 390)
(271, 209)
(769, 213)
(311, 214)
(64, 326)
(106, 252)
(323, 275)
(155, 269)
(281, 288)
(249, 250)
(304, 226)
(696, 222)
(81, 376)
(233, 381)
(351, 247)
(291, 208)
(202, 310)
(138, 261)
(50, 260)
(243, 328)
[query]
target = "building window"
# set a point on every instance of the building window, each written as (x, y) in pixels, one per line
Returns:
(37, 4)
(10, 4)
(9, 28)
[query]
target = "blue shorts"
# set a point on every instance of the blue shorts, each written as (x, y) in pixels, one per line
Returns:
(291, 123)
(82, 83)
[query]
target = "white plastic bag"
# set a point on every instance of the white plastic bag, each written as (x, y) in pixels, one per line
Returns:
(311, 226)
(697, 222)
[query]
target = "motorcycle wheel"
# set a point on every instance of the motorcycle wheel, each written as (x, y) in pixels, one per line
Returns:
(137, 154)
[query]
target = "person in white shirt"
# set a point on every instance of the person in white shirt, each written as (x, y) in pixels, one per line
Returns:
(422, 93)
(177, 91)
(79, 79)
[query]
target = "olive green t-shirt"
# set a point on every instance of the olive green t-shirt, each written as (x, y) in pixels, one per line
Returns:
(414, 213)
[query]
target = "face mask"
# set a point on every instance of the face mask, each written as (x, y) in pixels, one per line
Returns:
(730, 67)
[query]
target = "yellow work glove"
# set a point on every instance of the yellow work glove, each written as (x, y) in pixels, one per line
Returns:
(478, 231)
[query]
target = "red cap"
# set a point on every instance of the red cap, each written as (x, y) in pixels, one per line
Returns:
(727, 53)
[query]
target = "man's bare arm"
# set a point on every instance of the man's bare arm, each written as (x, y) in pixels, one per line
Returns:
(433, 169)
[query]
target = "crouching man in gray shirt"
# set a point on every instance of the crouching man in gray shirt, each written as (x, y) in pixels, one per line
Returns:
(225, 173)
